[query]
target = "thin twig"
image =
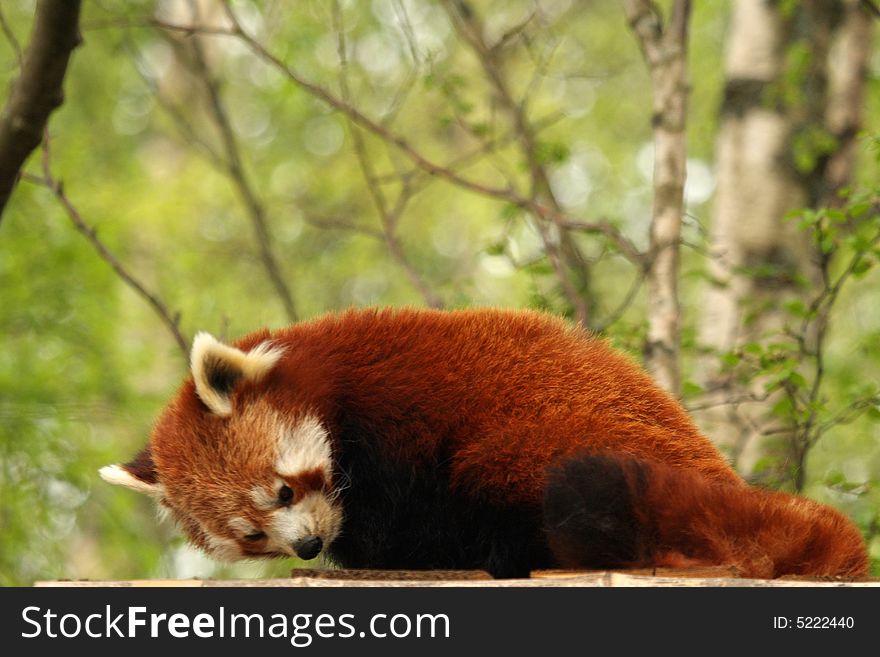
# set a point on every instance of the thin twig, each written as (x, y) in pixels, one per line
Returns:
(149, 21)
(728, 401)
(334, 223)
(449, 173)
(57, 188)
(235, 168)
(564, 256)
(623, 244)
(626, 302)
(183, 126)
(10, 37)
(389, 217)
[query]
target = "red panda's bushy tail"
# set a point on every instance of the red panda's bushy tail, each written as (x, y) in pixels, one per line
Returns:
(605, 510)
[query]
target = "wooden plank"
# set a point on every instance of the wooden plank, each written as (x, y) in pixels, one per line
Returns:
(705, 572)
(135, 583)
(691, 577)
(391, 575)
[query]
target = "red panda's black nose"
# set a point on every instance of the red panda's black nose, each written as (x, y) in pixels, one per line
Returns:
(308, 547)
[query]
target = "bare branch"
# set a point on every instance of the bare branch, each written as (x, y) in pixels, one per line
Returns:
(513, 32)
(184, 127)
(504, 194)
(235, 168)
(406, 28)
(618, 239)
(847, 415)
(646, 23)
(565, 257)
(728, 401)
(10, 37)
(149, 21)
(38, 91)
(388, 216)
(334, 223)
(57, 188)
(449, 173)
(871, 7)
(625, 303)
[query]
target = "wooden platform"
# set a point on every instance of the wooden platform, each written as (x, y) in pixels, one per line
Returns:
(659, 577)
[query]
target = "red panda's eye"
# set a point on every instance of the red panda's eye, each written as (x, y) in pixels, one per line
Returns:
(285, 495)
(256, 536)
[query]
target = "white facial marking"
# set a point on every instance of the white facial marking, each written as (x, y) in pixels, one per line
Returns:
(314, 515)
(290, 524)
(222, 549)
(263, 499)
(242, 526)
(163, 512)
(304, 447)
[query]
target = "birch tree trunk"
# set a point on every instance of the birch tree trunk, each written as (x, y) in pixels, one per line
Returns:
(665, 51)
(847, 79)
(784, 142)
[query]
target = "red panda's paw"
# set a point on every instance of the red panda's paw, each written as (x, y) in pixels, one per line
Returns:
(589, 511)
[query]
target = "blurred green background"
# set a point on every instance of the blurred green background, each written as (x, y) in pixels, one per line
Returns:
(85, 365)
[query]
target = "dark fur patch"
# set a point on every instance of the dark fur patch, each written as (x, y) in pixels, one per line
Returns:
(221, 376)
(309, 481)
(408, 516)
(142, 466)
(588, 511)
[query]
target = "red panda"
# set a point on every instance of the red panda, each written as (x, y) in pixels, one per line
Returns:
(499, 440)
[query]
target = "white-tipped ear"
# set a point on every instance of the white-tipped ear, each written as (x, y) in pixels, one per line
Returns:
(217, 368)
(119, 476)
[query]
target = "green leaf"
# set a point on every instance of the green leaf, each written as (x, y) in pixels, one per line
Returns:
(552, 152)
(496, 249)
(783, 408)
(796, 307)
(731, 359)
(861, 267)
(797, 379)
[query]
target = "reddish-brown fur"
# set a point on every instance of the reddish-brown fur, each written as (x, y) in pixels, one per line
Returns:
(500, 397)
(684, 519)
(307, 482)
(589, 395)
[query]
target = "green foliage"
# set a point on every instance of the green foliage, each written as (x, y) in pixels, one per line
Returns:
(820, 373)
(86, 364)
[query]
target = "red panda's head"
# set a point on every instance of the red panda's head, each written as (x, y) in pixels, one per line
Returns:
(242, 477)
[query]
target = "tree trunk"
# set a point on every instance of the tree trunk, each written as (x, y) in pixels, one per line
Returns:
(788, 118)
(665, 51)
(38, 91)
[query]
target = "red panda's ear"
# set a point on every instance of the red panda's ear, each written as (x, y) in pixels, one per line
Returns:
(217, 368)
(139, 475)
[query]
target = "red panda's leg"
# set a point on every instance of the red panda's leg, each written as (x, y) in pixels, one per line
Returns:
(607, 510)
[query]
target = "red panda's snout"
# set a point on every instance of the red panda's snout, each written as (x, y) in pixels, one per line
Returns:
(311, 522)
